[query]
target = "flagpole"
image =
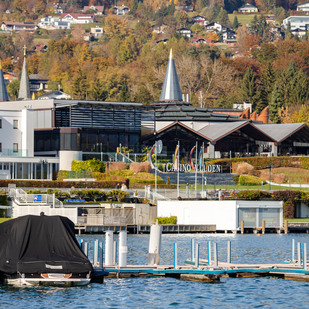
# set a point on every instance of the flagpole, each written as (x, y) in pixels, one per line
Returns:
(178, 170)
(202, 168)
(196, 167)
(156, 167)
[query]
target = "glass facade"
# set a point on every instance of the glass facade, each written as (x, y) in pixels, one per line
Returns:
(86, 140)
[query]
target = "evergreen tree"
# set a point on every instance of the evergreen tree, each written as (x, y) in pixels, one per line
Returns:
(80, 85)
(249, 87)
(265, 88)
(223, 18)
(98, 91)
(277, 102)
(235, 23)
(134, 6)
(124, 95)
(300, 91)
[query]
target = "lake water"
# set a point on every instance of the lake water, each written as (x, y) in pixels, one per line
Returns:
(173, 293)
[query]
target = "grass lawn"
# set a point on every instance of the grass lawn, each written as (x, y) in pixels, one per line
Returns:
(4, 219)
(244, 19)
(238, 187)
(293, 174)
(298, 220)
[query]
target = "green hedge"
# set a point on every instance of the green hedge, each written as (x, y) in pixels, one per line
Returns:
(250, 180)
(262, 162)
(166, 220)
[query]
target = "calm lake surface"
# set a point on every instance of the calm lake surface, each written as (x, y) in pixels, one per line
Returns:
(174, 293)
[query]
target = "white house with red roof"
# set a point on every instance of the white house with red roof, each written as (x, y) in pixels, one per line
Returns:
(76, 18)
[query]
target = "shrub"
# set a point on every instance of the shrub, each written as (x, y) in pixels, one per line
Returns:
(253, 195)
(93, 165)
(117, 166)
(242, 168)
(250, 180)
(166, 220)
(138, 167)
(168, 181)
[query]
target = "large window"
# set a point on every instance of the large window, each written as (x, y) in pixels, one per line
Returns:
(15, 124)
(15, 147)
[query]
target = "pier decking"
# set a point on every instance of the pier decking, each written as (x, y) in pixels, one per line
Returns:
(204, 273)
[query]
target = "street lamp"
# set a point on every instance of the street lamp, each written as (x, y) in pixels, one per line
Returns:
(270, 166)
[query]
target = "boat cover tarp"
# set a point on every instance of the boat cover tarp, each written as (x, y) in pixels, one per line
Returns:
(41, 244)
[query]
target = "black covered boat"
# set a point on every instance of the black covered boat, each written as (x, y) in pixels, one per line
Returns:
(42, 250)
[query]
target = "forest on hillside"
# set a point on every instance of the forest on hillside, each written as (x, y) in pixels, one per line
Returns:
(128, 64)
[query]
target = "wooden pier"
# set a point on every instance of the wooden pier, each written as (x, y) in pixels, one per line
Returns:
(205, 273)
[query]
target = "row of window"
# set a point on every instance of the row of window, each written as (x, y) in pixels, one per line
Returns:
(15, 124)
(15, 147)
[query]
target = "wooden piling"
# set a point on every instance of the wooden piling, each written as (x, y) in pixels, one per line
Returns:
(263, 227)
(242, 226)
(286, 226)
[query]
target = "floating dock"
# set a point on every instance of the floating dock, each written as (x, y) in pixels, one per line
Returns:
(204, 273)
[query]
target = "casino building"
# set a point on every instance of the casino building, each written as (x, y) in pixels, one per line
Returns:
(40, 137)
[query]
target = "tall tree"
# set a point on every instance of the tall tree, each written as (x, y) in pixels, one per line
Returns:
(235, 23)
(277, 102)
(249, 87)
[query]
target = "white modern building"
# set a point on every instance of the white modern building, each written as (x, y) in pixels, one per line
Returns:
(297, 23)
(53, 23)
(76, 18)
(303, 7)
(226, 215)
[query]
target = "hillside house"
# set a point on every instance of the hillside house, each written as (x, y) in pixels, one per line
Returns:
(201, 20)
(304, 7)
(185, 32)
(248, 8)
(97, 32)
(299, 24)
(215, 27)
(121, 10)
(97, 10)
(76, 18)
(18, 26)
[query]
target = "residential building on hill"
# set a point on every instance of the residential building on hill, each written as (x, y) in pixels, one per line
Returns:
(76, 18)
(97, 10)
(201, 20)
(248, 8)
(303, 7)
(53, 23)
(18, 26)
(121, 10)
(298, 24)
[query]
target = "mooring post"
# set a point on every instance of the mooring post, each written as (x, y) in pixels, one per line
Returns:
(197, 256)
(228, 260)
(298, 254)
(215, 255)
(304, 256)
(263, 227)
(123, 249)
(286, 226)
(242, 226)
(95, 252)
(109, 250)
(115, 253)
(192, 250)
(100, 254)
(292, 250)
(175, 255)
(209, 253)
(154, 244)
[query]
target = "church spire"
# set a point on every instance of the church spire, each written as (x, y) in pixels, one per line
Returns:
(4, 96)
(171, 89)
(24, 88)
